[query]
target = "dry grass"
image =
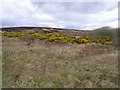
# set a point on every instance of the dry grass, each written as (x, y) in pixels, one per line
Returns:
(48, 65)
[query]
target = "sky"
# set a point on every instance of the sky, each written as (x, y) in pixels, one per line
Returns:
(69, 15)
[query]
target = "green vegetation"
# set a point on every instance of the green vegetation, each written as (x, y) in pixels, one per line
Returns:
(35, 60)
(114, 33)
(56, 65)
(107, 40)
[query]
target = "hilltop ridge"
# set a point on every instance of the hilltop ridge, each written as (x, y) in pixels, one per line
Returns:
(46, 30)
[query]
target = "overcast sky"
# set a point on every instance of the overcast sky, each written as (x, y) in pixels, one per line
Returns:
(74, 15)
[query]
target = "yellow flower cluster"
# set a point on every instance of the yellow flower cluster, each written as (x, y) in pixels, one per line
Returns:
(62, 38)
(13, 34)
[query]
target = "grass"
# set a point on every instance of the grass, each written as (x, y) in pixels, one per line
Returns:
(51, 65)
(112, 32)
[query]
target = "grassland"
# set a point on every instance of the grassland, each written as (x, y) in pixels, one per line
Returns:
(53, 65)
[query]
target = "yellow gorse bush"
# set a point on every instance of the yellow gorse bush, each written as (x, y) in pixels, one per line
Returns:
(62, 38)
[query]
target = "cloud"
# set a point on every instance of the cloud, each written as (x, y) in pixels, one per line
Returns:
(79, 15)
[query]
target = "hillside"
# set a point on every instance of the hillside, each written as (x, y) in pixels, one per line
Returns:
(52, 65)
(39, 59)
(47, 30)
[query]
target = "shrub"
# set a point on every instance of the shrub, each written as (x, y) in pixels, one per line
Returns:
(29, 38)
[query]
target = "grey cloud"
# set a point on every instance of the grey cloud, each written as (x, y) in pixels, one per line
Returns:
(76, 14)
(81, 7)
(66, 14)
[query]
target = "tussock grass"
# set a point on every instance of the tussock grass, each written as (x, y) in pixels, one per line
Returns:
(48, 65)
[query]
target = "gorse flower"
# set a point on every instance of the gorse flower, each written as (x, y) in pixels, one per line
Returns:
(62, 38)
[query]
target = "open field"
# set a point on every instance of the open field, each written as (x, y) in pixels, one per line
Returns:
(60, 44)
(48, 64)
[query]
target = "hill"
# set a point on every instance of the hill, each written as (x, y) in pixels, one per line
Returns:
(35, 60)
(47, 30)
